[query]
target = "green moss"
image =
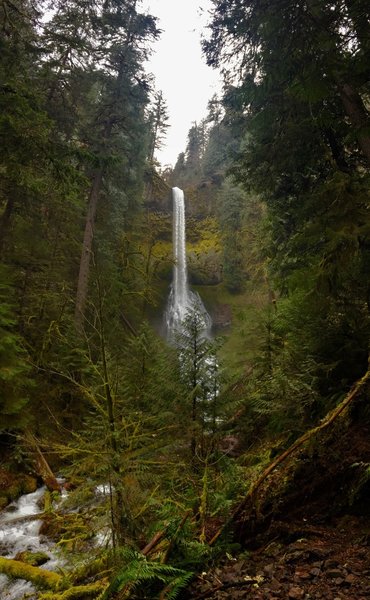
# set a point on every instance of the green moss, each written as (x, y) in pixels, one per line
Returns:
(70, 531)
(29, 484)
(13, 485)
(32, 558)
(81, 591)
(47, 501)
(203, 250)
(14, 490)
(242, 338)
(39, 577)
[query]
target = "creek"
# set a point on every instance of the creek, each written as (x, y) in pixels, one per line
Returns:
(20, 532)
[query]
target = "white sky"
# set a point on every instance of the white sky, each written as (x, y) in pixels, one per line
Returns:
(180, 69)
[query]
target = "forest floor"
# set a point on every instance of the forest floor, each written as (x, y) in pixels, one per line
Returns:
(326, 562)
(314, 542)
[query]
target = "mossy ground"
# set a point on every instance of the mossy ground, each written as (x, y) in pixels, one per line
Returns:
(242, 338)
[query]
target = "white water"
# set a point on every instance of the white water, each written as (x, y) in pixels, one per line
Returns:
(181, 300)
(18, 535)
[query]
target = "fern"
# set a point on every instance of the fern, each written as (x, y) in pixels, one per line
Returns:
(139, 571)
(358, 485)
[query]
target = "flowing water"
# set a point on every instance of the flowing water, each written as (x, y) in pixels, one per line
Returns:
(182, 300)
(19, 532)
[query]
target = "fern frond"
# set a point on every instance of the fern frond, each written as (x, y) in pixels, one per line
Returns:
(139, 571)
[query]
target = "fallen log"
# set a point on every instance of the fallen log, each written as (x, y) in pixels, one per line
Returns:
(78, 592)
(24, 519)
(153, 542)
(174, 537)
(42, 466)
(39, 577)
(328, 420)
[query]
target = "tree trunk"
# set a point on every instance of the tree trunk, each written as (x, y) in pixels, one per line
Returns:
(5, 220)
(337, 150)
(358, 116)
(42, 466)
(83, 277)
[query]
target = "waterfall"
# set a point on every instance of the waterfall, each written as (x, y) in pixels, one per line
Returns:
(181, 300)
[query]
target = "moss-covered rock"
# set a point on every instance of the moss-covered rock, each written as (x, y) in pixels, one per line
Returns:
(36, 559)
(13, 485)
(29, 484)
(3, 502)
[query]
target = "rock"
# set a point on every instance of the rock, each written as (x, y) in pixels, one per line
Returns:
(275, 585)
(295, 593)
(350, 579)
(29, 484)
(295, 556)
(221, 315)
(13, 485)
(318, 553)
(334, 573)
(302, 574)
(330, 563)
(230, 445)
(32, 558)
(269, 569)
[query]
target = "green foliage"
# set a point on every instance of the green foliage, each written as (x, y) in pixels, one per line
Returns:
(197, 356)
(78, 122)
(73, 100)
(240, 217)
(138, 572)
(297, 151)
(14, 366)
(158, 119)
(362, 480)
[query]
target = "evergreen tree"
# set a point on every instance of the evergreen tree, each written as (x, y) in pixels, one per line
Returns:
(194, 151)
(298, 98)
(124, 35)
(232, 202)
(198, 367)
(158, 120)
(15, 381)
(178, 173)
